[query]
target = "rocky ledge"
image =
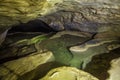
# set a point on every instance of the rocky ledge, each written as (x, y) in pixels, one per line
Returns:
(86, 40)
(32, 57)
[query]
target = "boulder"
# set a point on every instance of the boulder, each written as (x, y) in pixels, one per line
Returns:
(68, 73)
(12, 70)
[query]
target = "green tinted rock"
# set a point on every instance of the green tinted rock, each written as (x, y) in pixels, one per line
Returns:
(59, 44)
(20, 46)
(82, 54)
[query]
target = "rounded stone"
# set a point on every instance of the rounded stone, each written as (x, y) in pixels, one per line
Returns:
(68, 73)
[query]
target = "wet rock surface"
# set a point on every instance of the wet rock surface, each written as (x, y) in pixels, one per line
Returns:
(67, 48)
(88, 39)
(18, 45)
(84, 53)
(100, 64)
(60, 45)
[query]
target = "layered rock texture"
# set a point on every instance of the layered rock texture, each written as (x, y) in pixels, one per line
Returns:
(88, 15)
(14, 69)
(78, 12)
(13, 12)
(81, 35)
(30, 56)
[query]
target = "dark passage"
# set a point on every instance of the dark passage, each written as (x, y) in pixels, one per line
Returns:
(32, 26)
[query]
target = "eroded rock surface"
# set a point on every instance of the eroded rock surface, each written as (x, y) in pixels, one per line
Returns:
(59, 44)
(90, 16)
(114, 71)
(18, 45)
(12, 70)
(13, 12)
(100, 64)
(24, 55)
(84, 53)
(68, 73)
(69, 48)
(89, 12)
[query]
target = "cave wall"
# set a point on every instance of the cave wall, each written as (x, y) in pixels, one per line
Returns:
(86, 15)
(13, 12)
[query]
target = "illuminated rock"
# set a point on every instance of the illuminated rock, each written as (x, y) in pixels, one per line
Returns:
(90, 16)
(114, 71)
(68, 73)
(12, 70)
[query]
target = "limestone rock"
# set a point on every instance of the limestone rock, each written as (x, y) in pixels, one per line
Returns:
(82, 54)
(100, 64)
(73, 33)
(90, 16)
(74, 20)
(68, 73)
(13, 12)
(114, 71)
(59, 44)
(12, 70)
(19, 45)
(94, 10)
(113, 34)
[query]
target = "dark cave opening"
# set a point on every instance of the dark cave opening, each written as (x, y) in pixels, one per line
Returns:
(32, 26)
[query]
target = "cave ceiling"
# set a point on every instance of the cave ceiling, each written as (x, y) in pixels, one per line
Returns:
(13, 12)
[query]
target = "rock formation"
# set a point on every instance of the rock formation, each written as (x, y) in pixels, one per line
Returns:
(12, 70)
(86, 37)
(68, 73)
(114, 70)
